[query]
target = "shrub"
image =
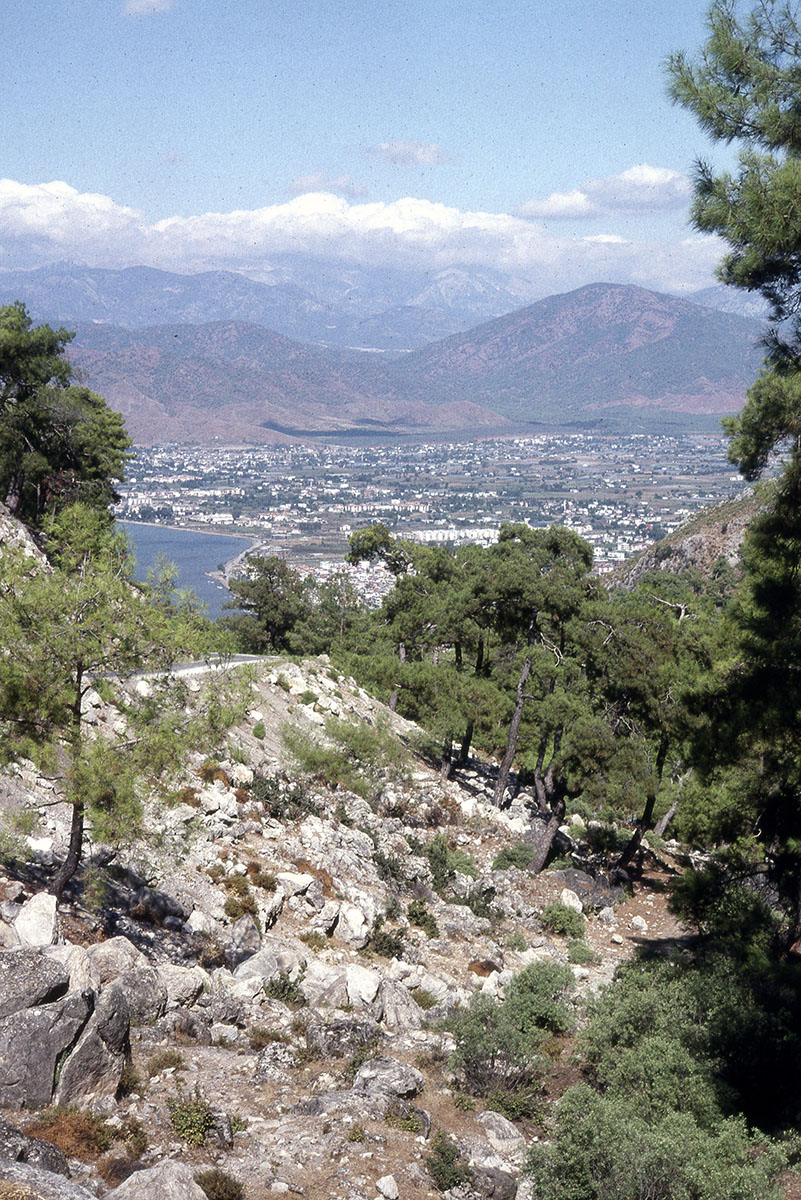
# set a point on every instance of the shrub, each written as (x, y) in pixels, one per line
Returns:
(519, 855)
(258, 730)
(445, 862)
(445, 1164)
(76, 1133)
(261, 878)
(389, 867)
(163, 1060)
(499, 1045)
(219, 1185)
(580, 953)
(604, 1149)
(388, 945)
(357, 1133)
(516, 941)
(260, 1036)
(314, 940)
(191, 1117)
(418, 915)
(424, 999)
(282, 802)
(283, 987)
(558, 918)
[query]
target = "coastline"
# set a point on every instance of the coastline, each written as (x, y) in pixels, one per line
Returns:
(229, 565)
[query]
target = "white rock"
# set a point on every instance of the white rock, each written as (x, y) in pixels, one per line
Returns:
(294, 883)
(184, 984)
(352, 926)
(571, 900)
(362, 984)
(42, 849)
(387, 1186)
(200, 922)
(37, 921)
(616, 939)
(639, 924)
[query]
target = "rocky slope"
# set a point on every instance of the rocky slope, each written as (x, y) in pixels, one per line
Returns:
(252, 995)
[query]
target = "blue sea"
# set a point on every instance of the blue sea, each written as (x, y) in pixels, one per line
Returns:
(192, 553)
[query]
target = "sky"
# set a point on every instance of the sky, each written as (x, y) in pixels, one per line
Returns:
(527, 137)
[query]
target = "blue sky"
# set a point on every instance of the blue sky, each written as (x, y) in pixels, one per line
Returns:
(532, 138)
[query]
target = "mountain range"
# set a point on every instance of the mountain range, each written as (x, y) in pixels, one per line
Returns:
(201, 358)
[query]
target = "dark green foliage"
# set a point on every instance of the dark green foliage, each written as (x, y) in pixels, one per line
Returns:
(560, 919)
(281, 801)
(219, 1185)
(385, 943)
(418, 915)
(445, 1164)
(389, 867)
(282, 987)
(499, 1045)
(272, 598)
(519, 855)
(445, 862)
(479, 900)
(605, 1150)
(59, 444)
(581, 954)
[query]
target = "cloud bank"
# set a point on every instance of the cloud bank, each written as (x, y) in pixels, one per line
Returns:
(50, 222)
(641, 189)
(340, 185)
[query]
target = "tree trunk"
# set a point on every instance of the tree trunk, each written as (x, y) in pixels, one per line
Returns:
(463, 756)
(446, 766)
(392, 703)
(663, 822)
(480, 656)
(457, 655)
(545, 840)
(511, 744)
(646, 820)
(14, 494)
(70, 864)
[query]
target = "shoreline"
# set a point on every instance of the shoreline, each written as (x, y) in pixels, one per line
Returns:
(228, 565)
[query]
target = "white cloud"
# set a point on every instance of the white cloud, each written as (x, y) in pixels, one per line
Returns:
(404, 153)
(49, 222)
(640, 189)
(145, 8)
(342, 185)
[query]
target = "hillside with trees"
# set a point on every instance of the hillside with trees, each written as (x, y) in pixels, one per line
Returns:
(258, 916)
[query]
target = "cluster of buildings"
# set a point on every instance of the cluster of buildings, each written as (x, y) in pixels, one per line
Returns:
(303, 501)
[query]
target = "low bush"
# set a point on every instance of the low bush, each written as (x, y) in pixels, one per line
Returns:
(445, 1164)
(258, 730)
(191, 1117)
(558, 918)
(499, 1045)
(580, 954)
(282, 987)
(280, 801)
(519, 855)
(418, 915)
(605, 1149)
(76, 1133)
(385, 943)
(219, 1185)
(163, 1060)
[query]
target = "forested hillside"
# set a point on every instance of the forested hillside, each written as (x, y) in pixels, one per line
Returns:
(494, 890)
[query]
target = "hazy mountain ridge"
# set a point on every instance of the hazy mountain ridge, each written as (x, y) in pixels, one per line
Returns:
(301, 299)
(622, 355)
